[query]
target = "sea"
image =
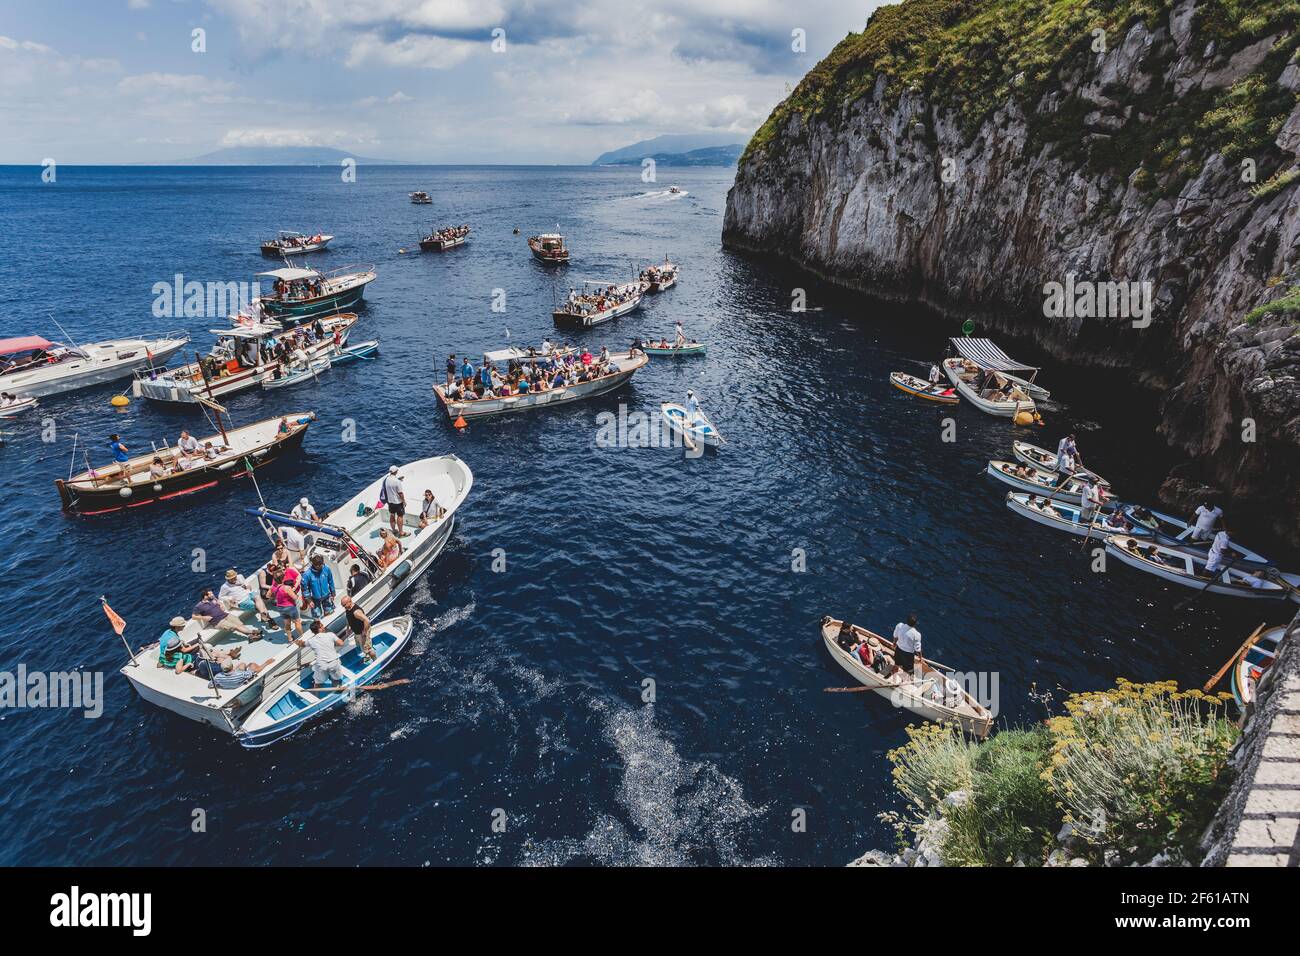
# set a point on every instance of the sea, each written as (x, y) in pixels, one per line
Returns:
(617, 659)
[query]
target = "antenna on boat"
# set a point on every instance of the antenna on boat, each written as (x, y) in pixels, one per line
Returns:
(64, 331)
(253, 478)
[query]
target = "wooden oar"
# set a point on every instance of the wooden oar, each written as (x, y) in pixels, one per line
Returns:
(1274, 575)
(1214, 578)
(1091, 524)
(1233, 659)
(855, 690)
(349, 687)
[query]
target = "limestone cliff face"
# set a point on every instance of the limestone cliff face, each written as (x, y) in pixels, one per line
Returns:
(894, 191)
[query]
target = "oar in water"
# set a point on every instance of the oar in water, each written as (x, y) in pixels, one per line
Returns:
(351, 687)
(1250, 641)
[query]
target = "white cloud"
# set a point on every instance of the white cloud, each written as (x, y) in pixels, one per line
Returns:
(412, 50)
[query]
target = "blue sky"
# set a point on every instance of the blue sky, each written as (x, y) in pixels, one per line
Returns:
(105, 81)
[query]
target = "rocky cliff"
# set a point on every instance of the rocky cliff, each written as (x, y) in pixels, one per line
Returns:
(967, 153)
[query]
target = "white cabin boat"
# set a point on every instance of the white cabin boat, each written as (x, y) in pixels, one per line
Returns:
(31, 366)
(349, 534)
(240, 359)
(292, 243)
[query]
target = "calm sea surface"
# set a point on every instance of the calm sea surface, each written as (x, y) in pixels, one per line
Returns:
(622, 565)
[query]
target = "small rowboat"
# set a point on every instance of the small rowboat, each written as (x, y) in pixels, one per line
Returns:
(675, 351)
(1252, 663)
(1177, 534)
(1044, 460)
(1186, 569)
(1066, 517)
(295, 243)
(362, 351)
(314, 368)
(294, 703)
(420, 197)
(698, 430)
(1030, 479)
(932, 391)
(931, 697)
(20, 404)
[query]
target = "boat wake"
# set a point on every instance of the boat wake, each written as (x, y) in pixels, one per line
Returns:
(675, 812)
(661, 194)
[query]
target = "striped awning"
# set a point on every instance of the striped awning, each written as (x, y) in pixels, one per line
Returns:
(987, 355)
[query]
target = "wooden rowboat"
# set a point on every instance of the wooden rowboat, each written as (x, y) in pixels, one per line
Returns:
(675, 351)
(700, 429)
(1069, 491)
(309, 373)
(1187, 569)
(1252, 662)
(931, 391)
(931, 697)
(1044, 460)
(1067, 517)
(295, 703)
(362, 351)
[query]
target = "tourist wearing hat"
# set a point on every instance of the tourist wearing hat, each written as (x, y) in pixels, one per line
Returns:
(173, 652)
(393, 494)
(238, 594)
(304, 511)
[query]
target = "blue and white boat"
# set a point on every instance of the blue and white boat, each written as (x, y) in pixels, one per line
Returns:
(362, 351)
(287, 709)
(698, 429)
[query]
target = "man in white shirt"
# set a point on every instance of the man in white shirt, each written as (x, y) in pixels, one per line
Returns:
(294, 543)
(907, 646)
(1207, 516)
(395, 498)
(692, 406)
(1090, 496)
(325, 669)
(188, 444)
(237, 594)
(303, 511)
(1218, 551)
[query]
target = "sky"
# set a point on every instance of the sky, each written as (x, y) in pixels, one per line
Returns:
(434, 81)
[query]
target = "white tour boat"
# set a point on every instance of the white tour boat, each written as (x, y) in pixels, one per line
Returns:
(347, 535)
(33, 367)
(623, 366)
(240, 359)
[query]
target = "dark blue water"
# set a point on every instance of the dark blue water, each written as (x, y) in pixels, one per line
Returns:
(622, 565)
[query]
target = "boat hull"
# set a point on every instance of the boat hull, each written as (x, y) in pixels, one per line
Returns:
(54, 380)
(441, 245)
(999, 409)
(261, 730)
(1225, 583)
(918, 704)
(921, 388)
(682, 352)
(570, 320)
(484, 408)
(1252, 663)
(89, 501)
(270, 249)
(298, 311)
(702, 430)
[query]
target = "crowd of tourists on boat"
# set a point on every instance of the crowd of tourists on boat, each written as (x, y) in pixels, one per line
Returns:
(448, 234)
(598, 300)
(550, 370)
(292, 290)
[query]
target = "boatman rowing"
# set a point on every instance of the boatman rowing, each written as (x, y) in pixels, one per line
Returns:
(1208, 516)
(907, 647)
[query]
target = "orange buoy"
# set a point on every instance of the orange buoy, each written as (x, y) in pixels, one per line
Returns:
(460, 423)
(119, 401)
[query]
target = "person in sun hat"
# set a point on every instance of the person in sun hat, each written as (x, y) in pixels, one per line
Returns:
(394, 496)
(303, 511)
(173, 652)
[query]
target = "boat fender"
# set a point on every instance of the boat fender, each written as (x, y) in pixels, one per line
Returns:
(402, 570)
(125, 492)
(157, 487)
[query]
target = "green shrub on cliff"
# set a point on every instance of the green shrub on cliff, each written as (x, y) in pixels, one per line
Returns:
(971, 57)
(1135, 770)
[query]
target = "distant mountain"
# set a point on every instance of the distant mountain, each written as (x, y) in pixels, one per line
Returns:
(279, 156)
(673, 144)
(708, 156)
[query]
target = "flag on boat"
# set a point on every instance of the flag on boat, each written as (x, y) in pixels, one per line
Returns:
(114, 618)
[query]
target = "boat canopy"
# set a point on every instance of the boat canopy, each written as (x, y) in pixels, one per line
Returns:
(505, 355)
(290, 274)
(254, 331)
(987, 355)
(24, 343)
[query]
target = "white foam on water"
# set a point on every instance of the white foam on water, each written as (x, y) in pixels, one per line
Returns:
(447, 619)
(675, 812)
